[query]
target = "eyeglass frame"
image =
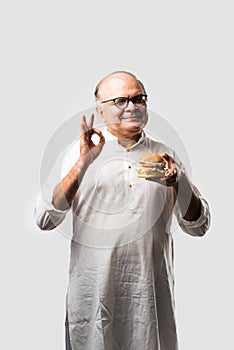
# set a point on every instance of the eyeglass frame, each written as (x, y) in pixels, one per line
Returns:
(128, 99)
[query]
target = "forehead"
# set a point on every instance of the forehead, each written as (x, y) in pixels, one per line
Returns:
(119, 85)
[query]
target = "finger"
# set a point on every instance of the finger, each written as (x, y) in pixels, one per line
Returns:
(100, 135)
(165, 156)
(90, 123)
(101, 142)
(170, 161)
(83, 125)
(97, 131)
(171, 179)
(171, 171)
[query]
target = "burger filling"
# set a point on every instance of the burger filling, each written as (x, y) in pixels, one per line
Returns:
(149, 169)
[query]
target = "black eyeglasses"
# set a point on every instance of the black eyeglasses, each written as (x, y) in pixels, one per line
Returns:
(122, 102)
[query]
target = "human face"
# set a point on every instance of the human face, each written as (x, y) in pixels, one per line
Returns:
(124, 123)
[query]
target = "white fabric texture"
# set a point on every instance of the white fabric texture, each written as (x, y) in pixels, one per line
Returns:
(121, 285)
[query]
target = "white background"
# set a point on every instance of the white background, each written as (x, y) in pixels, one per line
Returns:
(52, 55)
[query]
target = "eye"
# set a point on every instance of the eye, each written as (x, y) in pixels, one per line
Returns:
(121, 101)
(139, 99)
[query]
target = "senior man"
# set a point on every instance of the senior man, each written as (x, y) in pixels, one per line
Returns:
(121, 282)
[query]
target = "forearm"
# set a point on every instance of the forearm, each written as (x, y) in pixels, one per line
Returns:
(65, 191)
(189, 202)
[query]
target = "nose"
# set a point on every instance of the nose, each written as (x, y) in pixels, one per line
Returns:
(130, 106)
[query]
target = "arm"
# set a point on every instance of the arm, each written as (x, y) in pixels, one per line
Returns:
(198, 226)
(65, 191)
(192, 211)
(189, 202)
(52, 215)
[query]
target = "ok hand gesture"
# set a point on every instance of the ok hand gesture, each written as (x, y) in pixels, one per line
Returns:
(88, 149)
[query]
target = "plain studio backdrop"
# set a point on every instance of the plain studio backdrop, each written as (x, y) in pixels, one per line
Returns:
(52, 55)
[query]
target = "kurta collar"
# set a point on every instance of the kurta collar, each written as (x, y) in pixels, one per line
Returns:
(109, 137)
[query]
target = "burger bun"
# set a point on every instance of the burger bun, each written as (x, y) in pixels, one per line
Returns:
(152, 165)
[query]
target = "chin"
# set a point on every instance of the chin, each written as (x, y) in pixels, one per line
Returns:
(133, 126)
(131, 131)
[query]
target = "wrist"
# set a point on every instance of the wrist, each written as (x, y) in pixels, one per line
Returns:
(80, 167)
(189, 202)
(181, 180)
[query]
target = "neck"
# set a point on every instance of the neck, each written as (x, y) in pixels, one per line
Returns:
(128, 139)
(127, 143)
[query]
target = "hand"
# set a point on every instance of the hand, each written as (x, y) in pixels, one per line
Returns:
(88, 150)
(171, 177)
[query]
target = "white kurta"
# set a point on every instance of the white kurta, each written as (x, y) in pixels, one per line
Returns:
(121, 284)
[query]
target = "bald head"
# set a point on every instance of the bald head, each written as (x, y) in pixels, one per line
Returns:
(116, 75)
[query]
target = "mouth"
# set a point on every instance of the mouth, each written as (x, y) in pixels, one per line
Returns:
(131, 118)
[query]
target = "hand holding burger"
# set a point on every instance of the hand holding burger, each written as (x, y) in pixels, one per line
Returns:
(158, 167)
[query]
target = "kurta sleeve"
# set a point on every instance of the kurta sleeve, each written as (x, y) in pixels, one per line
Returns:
(200, 226)
(46, 215)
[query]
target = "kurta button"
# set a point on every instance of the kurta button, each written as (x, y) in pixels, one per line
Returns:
(129, 166)
(130, 185)
(128, 150)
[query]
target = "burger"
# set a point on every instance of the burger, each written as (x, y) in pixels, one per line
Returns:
(152, 165)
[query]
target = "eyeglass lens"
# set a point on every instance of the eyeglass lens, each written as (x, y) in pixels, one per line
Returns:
(122, 102)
